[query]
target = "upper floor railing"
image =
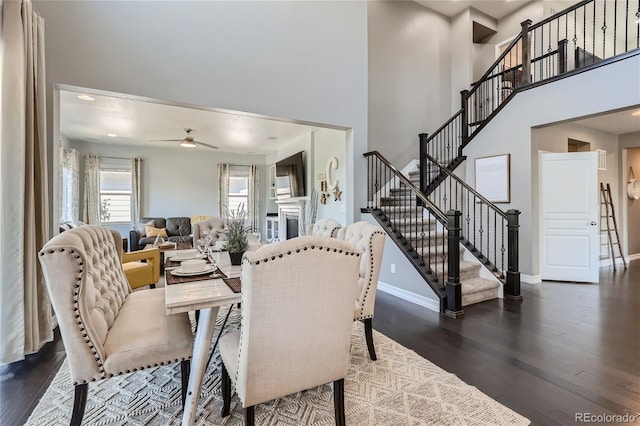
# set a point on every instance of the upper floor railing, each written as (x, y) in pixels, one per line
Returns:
(578, 38)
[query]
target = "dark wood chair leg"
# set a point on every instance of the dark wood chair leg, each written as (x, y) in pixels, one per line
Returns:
(338, 402)
(249, 416)
(79, 403)
(368, 333)
(185, 370)
(152, 286)
(226, 392)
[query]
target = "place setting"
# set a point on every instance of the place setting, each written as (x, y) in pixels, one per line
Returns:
(193, 265)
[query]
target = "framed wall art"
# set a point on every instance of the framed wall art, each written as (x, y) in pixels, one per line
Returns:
(493, 178)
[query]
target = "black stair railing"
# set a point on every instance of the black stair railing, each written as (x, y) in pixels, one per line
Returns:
(490, 234)
(586, 35)
(419, 229)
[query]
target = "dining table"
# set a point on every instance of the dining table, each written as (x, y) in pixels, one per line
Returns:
(205, 294)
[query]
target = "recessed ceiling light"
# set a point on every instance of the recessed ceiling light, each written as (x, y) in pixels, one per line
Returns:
(86, 98)
(111, 135)
(636, 113)
(272, 138)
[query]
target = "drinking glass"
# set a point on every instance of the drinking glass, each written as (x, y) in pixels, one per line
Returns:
(201, 246)
(214, 257)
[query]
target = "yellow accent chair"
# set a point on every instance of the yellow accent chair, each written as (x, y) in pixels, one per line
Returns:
(139, 273)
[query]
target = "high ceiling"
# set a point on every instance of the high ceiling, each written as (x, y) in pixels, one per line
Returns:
(137, 122)
(494, 8)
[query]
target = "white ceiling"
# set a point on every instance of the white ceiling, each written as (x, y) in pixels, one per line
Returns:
(494, 8)
(617, 123)
(137, 122)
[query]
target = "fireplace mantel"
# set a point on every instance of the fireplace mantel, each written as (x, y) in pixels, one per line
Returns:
(289, 207)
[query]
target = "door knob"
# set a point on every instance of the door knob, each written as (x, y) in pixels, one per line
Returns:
(593, 223)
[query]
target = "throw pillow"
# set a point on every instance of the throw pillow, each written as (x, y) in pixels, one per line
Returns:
(140, 227)
(152, 231)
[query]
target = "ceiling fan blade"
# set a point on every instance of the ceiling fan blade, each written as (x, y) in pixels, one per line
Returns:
(206, 144)
(165, 140)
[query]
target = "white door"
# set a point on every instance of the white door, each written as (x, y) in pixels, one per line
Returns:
(569, 205)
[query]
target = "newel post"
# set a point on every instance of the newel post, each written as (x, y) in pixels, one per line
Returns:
(453, 288)
(512, 287)
(526, 54)
(562, 56)
(424, 164)
(464, 100)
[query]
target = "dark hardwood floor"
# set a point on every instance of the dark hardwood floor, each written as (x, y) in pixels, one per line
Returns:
(567, 348)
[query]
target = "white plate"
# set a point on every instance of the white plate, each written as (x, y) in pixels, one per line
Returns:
(180, 259)
(180, 273)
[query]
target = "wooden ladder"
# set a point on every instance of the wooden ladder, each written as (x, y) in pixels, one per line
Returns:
(610, 219)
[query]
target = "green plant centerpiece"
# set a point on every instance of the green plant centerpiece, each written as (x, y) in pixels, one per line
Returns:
(237, 234)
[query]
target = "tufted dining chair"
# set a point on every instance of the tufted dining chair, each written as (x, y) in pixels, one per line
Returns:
(324, 227)
(369, 239)
(107, 329)
(289, 339)
(215, 225)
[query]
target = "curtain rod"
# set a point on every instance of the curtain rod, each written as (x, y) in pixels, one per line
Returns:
(113, 158)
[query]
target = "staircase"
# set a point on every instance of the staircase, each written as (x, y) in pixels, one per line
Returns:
(464, 246)
(423, 237)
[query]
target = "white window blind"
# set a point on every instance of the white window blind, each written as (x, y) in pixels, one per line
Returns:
(115, 191)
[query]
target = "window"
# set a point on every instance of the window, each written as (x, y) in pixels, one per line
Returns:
(238, 188)
(115, 194)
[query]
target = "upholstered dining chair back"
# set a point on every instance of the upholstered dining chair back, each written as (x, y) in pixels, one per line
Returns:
(87, 287)
(324, 227)
(107, 329)
(215, 224)
(369, 239)
(297, 309)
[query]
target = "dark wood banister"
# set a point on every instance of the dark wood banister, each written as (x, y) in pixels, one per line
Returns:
(559, 14)
(408, 183)
(467, 186)
(453, 117)
(496, 63)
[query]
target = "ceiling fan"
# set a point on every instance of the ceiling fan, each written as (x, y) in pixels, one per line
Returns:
(189, 141)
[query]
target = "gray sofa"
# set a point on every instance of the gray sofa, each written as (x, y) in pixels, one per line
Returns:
(178, 230)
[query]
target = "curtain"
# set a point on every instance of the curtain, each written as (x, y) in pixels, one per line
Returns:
(25, 310)
(223, 189)
(136, 179)
(92, 190)
(253, 208)
(70, 170)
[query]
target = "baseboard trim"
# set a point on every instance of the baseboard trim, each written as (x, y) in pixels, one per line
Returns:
(409, 296)
(530, 279)
(634, 257)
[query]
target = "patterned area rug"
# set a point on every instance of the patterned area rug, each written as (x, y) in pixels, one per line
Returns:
(400, 388)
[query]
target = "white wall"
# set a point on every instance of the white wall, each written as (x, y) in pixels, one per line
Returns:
(175, 182)
(331, 143)
(300, 60)
(603, 89)
(461, 57)
(409, 76)
(509, 25)
(630, 208)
